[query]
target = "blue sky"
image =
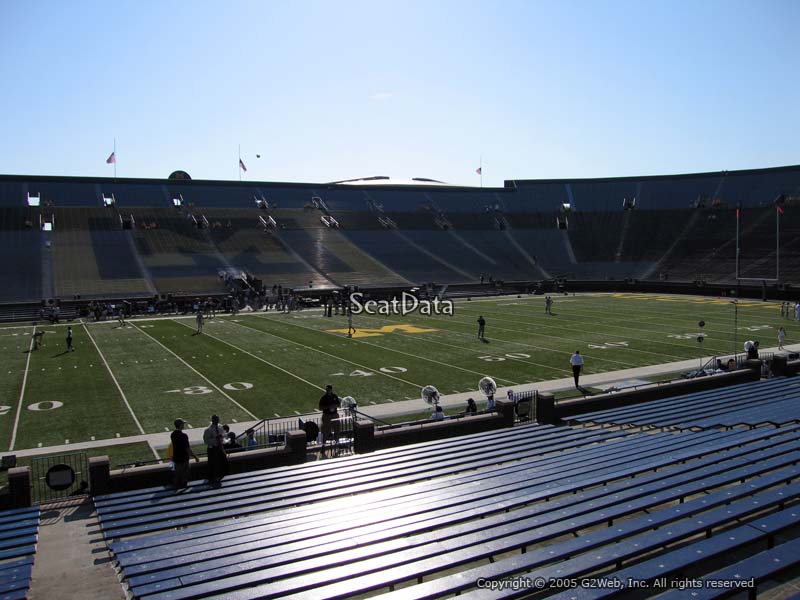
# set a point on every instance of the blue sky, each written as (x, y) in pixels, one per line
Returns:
(331, 90)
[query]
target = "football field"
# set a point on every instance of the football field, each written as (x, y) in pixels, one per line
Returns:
(136, 379)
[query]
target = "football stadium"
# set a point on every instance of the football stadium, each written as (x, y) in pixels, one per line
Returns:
(367, 300)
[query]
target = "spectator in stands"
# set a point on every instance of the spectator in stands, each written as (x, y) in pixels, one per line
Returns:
(781, 337)
(472, 408)
(329, 405)
(576, 360)
(213, 437)
(438, 413)
(252, 442)
(70, 347)
(752, 349)
(181, 451)
(230, 438)
(481, 327)
(200, 320)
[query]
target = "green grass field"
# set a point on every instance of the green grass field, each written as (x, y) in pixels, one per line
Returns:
(122, 382)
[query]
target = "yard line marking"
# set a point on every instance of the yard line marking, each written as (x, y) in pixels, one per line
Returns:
(256, 357)
(196, 371)
(390, 350)
(114, 379)
(378, 372)
(21, 394)
(505, 341)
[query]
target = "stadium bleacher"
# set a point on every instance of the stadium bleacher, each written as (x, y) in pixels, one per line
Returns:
(17, 551)
(773, 402)
(426, 518)
(682, 229)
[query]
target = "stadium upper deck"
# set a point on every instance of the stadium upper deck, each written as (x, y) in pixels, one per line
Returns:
(754, 187)
(681, 228)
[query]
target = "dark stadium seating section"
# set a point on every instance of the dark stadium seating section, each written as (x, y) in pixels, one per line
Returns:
(17, 551)
(773, 402)
(436, 517)
(446, 235)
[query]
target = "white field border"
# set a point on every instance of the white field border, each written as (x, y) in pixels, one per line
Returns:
(438, 362)
(114, 379)
(360, 366)
(243, 351)
(211, 383)
(21, 393)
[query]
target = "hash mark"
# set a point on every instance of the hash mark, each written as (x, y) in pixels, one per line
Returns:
(66, 441)
(92, 438)
(118, 435)
(276, 414)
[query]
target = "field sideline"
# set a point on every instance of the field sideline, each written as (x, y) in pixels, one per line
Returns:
(124, 381)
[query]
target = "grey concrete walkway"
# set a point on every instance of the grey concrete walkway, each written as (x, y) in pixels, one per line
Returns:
(72, 561)
(408, 407)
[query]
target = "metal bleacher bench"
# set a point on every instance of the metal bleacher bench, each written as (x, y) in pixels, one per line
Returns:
(452, 518)
(17, 549)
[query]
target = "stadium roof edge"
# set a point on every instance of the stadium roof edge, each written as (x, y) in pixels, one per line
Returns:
(510, 183)
(234, 183)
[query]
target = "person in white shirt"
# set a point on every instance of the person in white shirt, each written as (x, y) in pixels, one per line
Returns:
(576, 360)
(213, 438)
(781, 337)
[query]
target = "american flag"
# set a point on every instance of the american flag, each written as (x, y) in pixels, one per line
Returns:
(241, 166)
(112, 158)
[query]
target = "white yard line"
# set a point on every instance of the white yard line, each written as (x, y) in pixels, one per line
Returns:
(266, 362)
(211, 383)
(114, 379)
(387, 349)
(21, 394)
(261, 331)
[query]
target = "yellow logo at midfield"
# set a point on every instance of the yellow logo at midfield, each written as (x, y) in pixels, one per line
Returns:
(385, 329)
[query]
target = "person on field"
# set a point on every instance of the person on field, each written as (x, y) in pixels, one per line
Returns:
(752, 349)
(548, 305)
(70, 347)
(329, 405)
(200, 320)
(181, 451)
(781, 337)
(576, 360)
(214, 438)
(481, 327)
(350, 329)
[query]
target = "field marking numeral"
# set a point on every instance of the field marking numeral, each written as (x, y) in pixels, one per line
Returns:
(756, 327)
(238, 386)
(4, 410)
(360, 373)
(53, 404)
(192, 390)
(686, 336)
(491, 358)
(608, 345)
(393, 369)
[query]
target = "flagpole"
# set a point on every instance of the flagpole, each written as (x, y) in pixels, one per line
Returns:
(115, 159)
(777, 245)
(239, 164)
(481, 169)
(737, 244)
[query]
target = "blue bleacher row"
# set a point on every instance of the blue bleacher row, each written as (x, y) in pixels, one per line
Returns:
(17, 549)
(430, 515)
(758, 186)
(772, 401)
